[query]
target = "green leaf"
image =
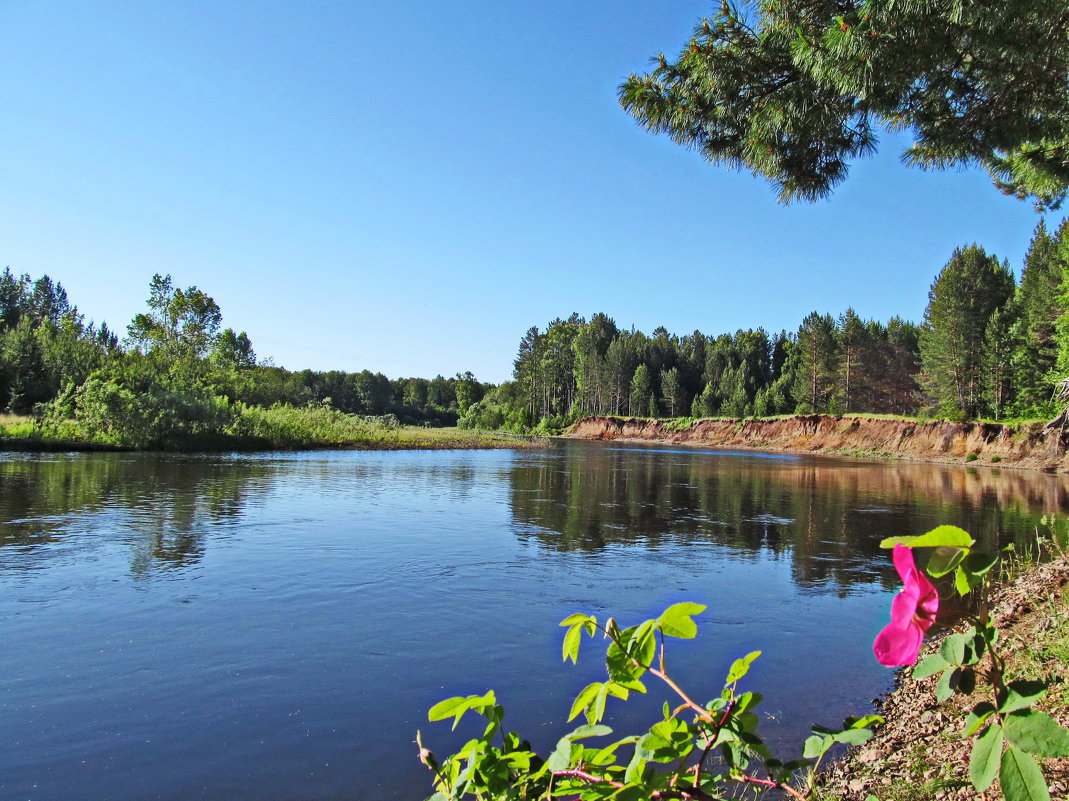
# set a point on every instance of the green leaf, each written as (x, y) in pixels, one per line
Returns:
(596, 730)
(1021, 778)
(816, 745)
(616, 689)
(977, 716)
(1037, 733)
(975, 645)
(986, 757)
(953, 649)
(748, 701)
(740, 667)
(852, 736)
(608, 754)
(644, 644)
(929, 666)
(964, 582)
(863, 722)
(584, 699)
(945, 536)
(596, 710)
(561, 757)
(570, 649)
(457, 705)
(578, 619)
(1021, 694)
(978, 563)
(639, 758)
(675, 621)
(943, 560)
(948, 683)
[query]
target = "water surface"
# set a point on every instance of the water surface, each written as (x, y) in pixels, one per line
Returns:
(275, 626)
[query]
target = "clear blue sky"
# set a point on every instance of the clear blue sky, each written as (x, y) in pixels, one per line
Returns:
(408, 186)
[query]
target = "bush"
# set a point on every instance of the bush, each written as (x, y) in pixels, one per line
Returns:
(104, 410)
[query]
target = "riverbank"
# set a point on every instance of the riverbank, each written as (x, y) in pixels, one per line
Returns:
(1025, 445)
(919, 754)
(19, 434)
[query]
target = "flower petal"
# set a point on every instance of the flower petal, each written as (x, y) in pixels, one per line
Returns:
(903, 559)
(904, 605)
(898, 645)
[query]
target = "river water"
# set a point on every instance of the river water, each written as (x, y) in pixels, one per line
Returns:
(274, 627)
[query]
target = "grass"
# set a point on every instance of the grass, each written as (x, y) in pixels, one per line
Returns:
(15, 425)
(276, 428)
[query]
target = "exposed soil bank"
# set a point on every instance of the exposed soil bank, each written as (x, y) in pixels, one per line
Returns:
(1029, 446)
(919, 753)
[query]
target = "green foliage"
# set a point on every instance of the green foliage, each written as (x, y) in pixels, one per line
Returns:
(672, 759)
(1007, 731)
(106, 410)
(963, 298)
(180, 324)
(792, 90)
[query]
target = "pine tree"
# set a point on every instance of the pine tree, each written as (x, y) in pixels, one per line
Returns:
(817, 354)
(793, 89)
(999, 346)
(961, 301)
(852, 342)
(1036, 353)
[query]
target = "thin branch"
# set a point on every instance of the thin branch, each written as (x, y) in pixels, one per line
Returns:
(582, 774)
(770, 783)
(702, 711)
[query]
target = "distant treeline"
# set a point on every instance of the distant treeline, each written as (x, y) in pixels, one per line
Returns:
(179, 376)
(987, 348)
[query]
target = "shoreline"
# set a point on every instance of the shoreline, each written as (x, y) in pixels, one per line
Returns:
(1024, 446)
(919, 752)
(401, 439)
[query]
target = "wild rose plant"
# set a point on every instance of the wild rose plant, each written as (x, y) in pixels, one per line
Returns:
(674, 759)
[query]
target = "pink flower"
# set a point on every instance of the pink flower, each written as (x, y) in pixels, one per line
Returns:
(912, 613)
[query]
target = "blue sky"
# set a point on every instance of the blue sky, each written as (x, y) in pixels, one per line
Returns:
(408, 186)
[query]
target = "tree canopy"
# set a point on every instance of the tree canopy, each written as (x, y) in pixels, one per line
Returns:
(794, 89)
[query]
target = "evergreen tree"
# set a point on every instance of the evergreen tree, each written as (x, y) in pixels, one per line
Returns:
(962, 299)
(795, 89)
(853, 343)
(999, 346)
(1036, 352)
(13, 298)
(817, 355)
(903, 360)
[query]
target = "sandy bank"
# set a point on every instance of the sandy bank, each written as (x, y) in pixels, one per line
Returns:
(1030, 446)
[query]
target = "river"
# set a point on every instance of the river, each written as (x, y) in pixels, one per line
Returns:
(275, 626)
